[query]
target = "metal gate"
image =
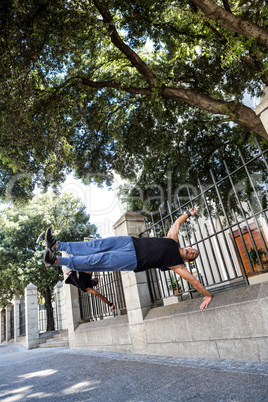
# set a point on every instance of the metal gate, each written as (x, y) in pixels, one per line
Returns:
(110, 285)
(11, 320)
(43, 317)
(230, 232)
(22, 326)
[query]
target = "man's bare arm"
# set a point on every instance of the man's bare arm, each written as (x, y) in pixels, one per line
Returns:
(101, 296)
(174, 230)
(182, 271)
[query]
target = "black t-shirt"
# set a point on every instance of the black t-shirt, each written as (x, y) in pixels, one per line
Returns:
(156, 252)
(80, 279)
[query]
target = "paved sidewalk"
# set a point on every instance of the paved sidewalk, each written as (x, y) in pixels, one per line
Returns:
(61, 374)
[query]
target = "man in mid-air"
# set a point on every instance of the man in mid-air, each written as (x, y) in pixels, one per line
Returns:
(127, 253)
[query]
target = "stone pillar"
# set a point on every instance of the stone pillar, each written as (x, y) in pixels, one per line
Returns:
(60, 306)
(262, 109)
(31, 317)
(135, 284)
(16, 304)
(72, 307)
(72, 304)
(9, 307)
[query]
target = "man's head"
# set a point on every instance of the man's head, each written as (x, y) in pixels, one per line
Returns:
(94, 281)
(189, 253)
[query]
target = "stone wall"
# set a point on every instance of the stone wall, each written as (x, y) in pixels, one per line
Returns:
(235, 326)
(112, 334)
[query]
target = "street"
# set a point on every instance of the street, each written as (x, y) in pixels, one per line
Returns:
(61, 374)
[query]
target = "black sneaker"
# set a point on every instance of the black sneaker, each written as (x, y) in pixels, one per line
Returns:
(40, 238)
(50, 240)
(49, 258)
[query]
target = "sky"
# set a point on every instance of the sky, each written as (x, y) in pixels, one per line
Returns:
(103, 205)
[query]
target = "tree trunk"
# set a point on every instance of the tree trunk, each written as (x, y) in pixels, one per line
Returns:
(232, 22)
(49, 310)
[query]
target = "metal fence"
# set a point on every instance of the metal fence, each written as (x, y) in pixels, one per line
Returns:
(5, 325)
(22, 327)
(42, 317)
(110, 285)
(11, 318)
(230, 232)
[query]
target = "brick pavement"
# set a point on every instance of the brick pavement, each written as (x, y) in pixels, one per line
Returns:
(213, 364)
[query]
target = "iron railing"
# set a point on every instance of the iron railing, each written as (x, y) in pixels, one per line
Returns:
(42, 317)
(5, 325)
(22, 326)
(230, 232)
(11, 318)
(110, 285)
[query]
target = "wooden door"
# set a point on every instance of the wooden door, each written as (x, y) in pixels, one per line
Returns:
(258, 242)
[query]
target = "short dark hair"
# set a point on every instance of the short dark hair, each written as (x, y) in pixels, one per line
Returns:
(94, 280)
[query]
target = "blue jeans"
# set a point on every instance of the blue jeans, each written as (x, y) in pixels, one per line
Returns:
(110, 254)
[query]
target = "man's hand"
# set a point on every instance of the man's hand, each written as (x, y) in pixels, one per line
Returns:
(205, 302)
(113, 307)
(193, 211)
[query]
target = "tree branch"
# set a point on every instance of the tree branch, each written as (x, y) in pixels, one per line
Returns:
(258, 66)
(241, 114)
(226, 6)
(115, 85)
(232, 22)
(238, 113)
(132, 56)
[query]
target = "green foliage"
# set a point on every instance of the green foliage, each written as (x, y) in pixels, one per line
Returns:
(20, 257)
(174, 155)
(173, 282)
(253, 255)
(70, 95)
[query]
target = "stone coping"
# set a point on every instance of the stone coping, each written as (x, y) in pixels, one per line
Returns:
(106, 322)
(226, 298)
(129, 216)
